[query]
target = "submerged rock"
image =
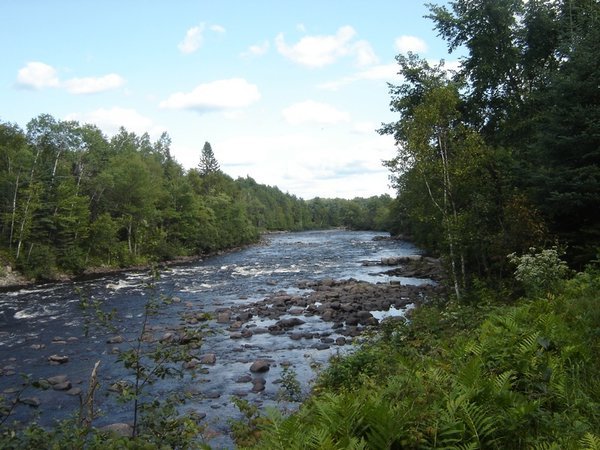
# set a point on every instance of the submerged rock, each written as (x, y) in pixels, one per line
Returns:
(260, 365)
(58, 359)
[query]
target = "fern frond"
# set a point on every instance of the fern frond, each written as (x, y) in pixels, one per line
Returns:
(503, 382)
(529, 344)
(590, 442)
(481, 424)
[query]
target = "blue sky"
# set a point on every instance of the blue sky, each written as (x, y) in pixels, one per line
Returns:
(289, 93)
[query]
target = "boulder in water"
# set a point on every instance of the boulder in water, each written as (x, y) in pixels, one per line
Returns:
(260, 365)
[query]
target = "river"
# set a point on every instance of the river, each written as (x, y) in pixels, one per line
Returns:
(44, 320)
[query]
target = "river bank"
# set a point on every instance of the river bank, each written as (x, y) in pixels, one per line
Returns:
(12, 280)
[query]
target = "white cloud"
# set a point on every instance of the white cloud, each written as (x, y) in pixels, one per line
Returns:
(91, 85)
(192, 40)
(217, 29)
(382, 72)
(319, 51)
(314, 112)
(405, 44)
(194, 37)
(309, 165)
(257, 49)
(365, 127)
(37, 75)
(218, 95)
(365, 56)
(110, 120)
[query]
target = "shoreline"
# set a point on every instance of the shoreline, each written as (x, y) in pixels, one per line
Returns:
(14, 281)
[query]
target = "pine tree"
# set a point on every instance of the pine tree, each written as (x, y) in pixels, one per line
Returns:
(208, 163)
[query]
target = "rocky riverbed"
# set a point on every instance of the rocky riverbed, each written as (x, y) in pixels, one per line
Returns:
(257, 313)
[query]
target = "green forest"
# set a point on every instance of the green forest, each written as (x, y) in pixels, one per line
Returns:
(73, 199)
(497, 172)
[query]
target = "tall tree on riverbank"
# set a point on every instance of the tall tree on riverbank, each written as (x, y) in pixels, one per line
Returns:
(208, 163)
(532, 75)
(504, 154)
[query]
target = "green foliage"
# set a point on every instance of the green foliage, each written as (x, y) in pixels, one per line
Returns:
(246, 430)
(290, 389)
(539, 272)
(501, 155)
(463, 376)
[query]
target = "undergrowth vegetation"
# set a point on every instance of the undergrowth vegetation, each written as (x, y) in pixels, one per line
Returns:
(488, 375)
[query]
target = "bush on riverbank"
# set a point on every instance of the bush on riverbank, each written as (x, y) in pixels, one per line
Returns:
(486, 376)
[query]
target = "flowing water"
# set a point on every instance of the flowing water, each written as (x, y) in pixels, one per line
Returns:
(44, 320)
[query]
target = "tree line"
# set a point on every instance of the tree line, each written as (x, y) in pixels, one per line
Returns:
(72, 198)
(503, 154)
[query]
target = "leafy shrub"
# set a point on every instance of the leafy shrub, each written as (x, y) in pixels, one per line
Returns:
(539, 271)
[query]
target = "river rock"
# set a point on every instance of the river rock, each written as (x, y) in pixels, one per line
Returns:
(260, 365)
(258, 384)
(31, 401)
(320, 346)
(115, 340)
(244, 379)
(64, 386)
(208, 358)
(289, 323)
(74, 391)
(340, 341)
(58, 359)
(235, 325)
(191, 364)
(244, 316)
(57, 379)
(259, 330)
(223, 317)
(120, 429)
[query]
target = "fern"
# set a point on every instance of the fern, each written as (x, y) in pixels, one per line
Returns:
(590, 442)
(529, 344)
(479, 421)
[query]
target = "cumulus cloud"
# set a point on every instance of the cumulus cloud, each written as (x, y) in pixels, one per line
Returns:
(110, 120)
(382, 72)
(92, 85)
(310, 111)
(218, 95)
(405, 44)
(319, 51)
(37, 75)
(194, 37)
(192, 40)
(257, 49)
(310, 164)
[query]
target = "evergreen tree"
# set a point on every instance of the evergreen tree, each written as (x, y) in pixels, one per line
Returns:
(208, 163)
